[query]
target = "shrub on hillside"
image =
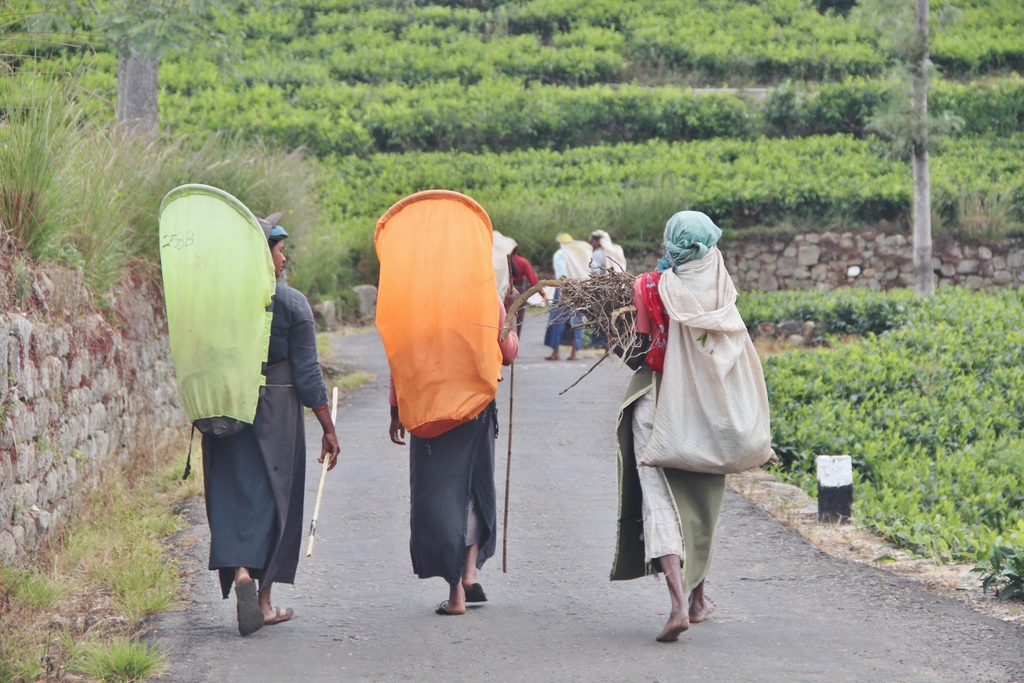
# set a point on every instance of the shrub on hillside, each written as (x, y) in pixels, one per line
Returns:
(842, 312)
(929, 410)
(81, 194)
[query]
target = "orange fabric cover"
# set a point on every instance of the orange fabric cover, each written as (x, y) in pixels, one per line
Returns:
(437, 309)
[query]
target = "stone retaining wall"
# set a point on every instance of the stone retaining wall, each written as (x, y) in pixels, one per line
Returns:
(80, 392)
(864, 259)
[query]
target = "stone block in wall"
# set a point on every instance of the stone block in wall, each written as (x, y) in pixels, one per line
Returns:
(325, 314)
(41, 518)
(788, 263)
(808, 254)
(967, 266)
(984, 253)
(8, 546)
(50, 373)
(947, 270)
(368, 299)
(767, 282)
(974, 282)
(1002, 277)
(1015, 259)
(21, 329)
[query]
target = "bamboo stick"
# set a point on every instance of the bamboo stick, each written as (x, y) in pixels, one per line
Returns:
(323, 480)
(508, 469)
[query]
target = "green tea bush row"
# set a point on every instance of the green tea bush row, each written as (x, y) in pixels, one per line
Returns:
(931, 412)
(572, 42)
(630, 190)
(737, 182)
(503, 114)
(494, 115)
(842, 312)
(992, 107)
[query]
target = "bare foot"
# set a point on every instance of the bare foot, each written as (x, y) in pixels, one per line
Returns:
(456, 602)
(553, 356)
(701, 606)
(573, 357)
(446, 609)
(675, 625)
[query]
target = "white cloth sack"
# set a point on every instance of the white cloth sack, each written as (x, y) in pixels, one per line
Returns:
(500, 251)
(712, 412)
(613, 253)
(577, 255)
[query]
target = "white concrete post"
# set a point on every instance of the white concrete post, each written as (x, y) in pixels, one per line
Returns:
(835, 488)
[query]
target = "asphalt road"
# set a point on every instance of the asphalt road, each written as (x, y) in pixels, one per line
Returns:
(786, 612)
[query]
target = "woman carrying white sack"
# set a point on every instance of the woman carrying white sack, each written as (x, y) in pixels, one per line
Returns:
(696, 410)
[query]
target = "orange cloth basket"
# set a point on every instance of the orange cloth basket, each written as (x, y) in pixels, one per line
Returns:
(437, 311)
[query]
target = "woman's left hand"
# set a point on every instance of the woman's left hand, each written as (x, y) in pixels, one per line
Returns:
(329, 444)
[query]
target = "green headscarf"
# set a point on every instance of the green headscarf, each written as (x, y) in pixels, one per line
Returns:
(688, 236)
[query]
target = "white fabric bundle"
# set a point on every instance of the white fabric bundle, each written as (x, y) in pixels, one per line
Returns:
(615, 257)
(712, 413)
(500, 251)
(577, 255)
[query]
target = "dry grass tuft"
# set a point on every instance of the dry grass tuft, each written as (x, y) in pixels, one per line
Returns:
(78, 607)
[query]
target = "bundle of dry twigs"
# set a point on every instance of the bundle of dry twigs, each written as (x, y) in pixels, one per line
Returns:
(604, 299)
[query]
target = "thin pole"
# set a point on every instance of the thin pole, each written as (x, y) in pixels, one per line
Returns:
(323, 480)
(508, 469)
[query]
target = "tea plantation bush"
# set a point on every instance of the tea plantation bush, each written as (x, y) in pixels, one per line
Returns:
(494, 115)
(739, 183)
(932, 412)
(503, 114)
(574, 42)
(359, 77)
(844, 311)
(815, 183)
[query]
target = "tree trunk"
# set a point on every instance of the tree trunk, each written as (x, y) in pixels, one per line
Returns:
(922, 178)
(923, 223)
(137, 89)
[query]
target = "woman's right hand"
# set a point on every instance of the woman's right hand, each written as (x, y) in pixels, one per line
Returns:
(396, 431)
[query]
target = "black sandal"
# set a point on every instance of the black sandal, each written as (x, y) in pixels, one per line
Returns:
(475, 593)
(250, 616)
(443, 610)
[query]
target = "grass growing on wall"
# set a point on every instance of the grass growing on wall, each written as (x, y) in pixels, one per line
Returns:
(81, 194)
(109, 570)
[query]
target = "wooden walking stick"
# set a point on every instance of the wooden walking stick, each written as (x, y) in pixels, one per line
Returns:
(323, 480)
(508, 469)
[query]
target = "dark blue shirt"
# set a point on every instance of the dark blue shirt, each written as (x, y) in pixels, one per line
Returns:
(293, 338)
